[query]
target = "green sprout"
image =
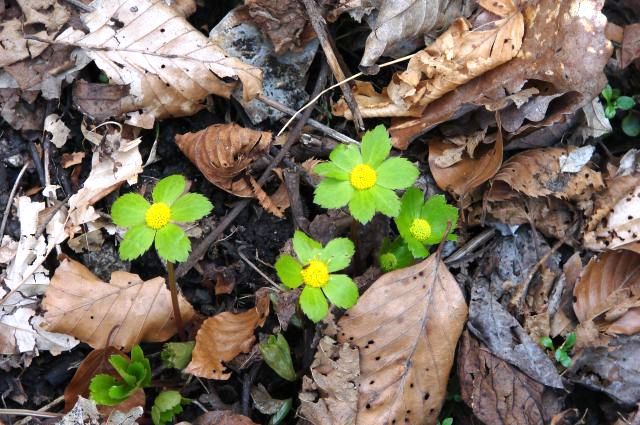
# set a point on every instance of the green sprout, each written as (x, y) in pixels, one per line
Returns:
(364, 178)
(446, 421)
(314, 266)
(177, 355)
(166, 405)
(561, 353)
(394, 255)
(631, 124)
(156, 222)
(135, 374)
(276, 353)
(422, 224)
(613, 101)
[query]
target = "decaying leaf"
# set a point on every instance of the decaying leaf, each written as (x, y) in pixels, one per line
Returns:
(147, 51)
(457, 56)
(630, 51)
(78, 303)
(406, 326)
(222, 417)
(222, 152)
(276, 204)
(14, 47)
(498, 393)
(282, 21)
(335, 371)
(100, 101)
(224, 336)
(59, 131)
(86, 412)
(609, 286)
(554, 31)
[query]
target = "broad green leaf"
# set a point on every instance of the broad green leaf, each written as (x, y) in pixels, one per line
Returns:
(625, 103)
(305, 247)
(337, 254)
(275, 352)
(346, 157)
(410, 207)
(437, 212)
(99, 389)
(121, 365)
(137, 355)
(362, 205)
(121, 391)
(397, 173)
(172, 243)
(136, 242)
(169, 189)
(563, 358)
(417, 248)
(341, 291)
(610, 111)
(607, 92)
(546, 342)
(165, 406)
(631, 125)
(615, 93)
(313, 303)
(177, 355)
(329, 169)
(289, 271)
(568, 343)
(375, 146)
(332, 193)
(190, 207)
(386, 201)
(129, 210)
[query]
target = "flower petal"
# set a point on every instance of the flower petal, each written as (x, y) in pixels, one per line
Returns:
(346, 157)
(341, 291)
(313, 303)
(337, 254)
(362, 206)
(169, 189)
(289, 271)
(397, 173)
(190, 207)
(376, 146)
(136, 242)
(129, 210)
(331, 193)
(329, 169)
(172, 243)
(305, 247)
(386, 201)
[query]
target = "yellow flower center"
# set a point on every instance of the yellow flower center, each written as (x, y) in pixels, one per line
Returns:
(316, 274)
(420, 229)
(363, 177)
(158, 215)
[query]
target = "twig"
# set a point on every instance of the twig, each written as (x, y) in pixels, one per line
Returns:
(292, 183)
(470, 246)
(36, 162)
(26, 412)
(7, 209)
(313, 123)
(202, 247)
(254, 267)
(320, 27)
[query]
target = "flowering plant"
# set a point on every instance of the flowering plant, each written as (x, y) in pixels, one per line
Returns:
(423, 223)
(314, 266)
(156, 222)
(394, 255)
(364, 178)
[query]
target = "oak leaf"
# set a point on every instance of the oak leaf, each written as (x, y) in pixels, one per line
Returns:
(609, 288)
(170, 66)
(222, 152)
(406, 326)
(224, 336)
(78, 303)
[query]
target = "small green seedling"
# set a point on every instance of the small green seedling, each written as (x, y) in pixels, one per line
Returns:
(135, 374)
(314, 266)
(446, 421)
(631, 124)
(282, 413)
(364, 178)
(177, 355)
(422, 224)
(276, 353)
(157, 222)
(166, 406)
(394, 255)
(562, 352)
(613, 101)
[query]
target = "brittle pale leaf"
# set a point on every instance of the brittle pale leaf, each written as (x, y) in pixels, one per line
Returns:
(223, 336)
(78, 303)
(406, 326)
(169, 65)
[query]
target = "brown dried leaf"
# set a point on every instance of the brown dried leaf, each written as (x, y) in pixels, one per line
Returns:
(498, 393)
(222, 417)
(469, 173)
(456, 57)
(14, 47)
(170, 66)
(222, 152)
(630, 50)
(537, 172)
(276, 204)
(335, 370)
(78, 303)
(282, 21)
(609, 286)
(100, 101)
(406, 326)
(554, 32)
(224, 336)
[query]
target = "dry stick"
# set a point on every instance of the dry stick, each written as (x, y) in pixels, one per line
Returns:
(202, 247)
(25, 412)
(320, 27)
(313, 123)
(174, 300)
(11, 196)
(534, 270)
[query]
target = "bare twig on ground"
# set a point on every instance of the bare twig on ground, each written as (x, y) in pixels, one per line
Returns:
(292, 183)
(12, 195)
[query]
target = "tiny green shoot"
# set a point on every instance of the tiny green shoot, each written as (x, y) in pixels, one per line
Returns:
(562, 352)
(276, 353)
(394, 255)
(177, 355)
(446, 421)
(631, 124)
(614, 101)
(364, 178)
(314, 266)
(135, 374)
(424, 223)
(166, 406)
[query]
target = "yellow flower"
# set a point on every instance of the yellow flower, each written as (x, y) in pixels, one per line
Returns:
(420, 229)
(363, 177)
(158, 215)
(316, 274)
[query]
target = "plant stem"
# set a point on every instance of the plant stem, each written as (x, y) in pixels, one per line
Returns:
(174, 301)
